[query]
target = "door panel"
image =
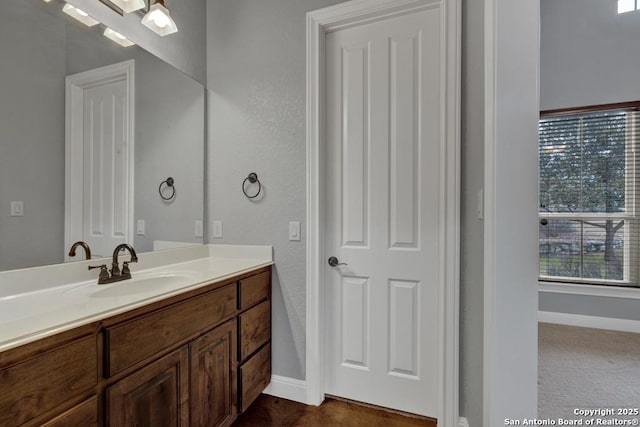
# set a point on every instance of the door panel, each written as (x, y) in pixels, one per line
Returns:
(106, 193)
(355, 188)
(355, 321)
(384, 151)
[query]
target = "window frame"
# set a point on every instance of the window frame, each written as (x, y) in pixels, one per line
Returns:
(631, 267)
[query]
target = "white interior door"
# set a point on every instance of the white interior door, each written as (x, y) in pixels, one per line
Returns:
(99, 165)
(384, 210)
(105, 201)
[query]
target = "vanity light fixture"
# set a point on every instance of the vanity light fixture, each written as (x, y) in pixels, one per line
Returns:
(117, 37)
(158, 19)
(129, 6)
(80, 15)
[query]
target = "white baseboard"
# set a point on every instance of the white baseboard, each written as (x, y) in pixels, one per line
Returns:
(296, 390)
(596, 322)
(287, 388)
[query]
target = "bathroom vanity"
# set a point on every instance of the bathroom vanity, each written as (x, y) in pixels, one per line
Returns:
(194, 351)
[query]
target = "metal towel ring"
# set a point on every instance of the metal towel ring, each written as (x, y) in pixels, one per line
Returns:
(169, 182)
(252, 178)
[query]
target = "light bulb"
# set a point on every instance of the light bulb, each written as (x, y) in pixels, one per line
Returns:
(160, 19)
(129, 6)
(80, 15)
(117, 37)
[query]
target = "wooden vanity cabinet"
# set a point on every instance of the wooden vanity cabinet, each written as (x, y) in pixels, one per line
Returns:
(196, 359)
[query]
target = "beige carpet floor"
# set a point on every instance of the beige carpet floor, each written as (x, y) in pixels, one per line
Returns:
(586, 368)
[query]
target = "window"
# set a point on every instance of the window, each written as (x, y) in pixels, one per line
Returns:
(627, 6)
(588, 194)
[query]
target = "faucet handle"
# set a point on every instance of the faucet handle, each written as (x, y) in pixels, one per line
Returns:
(125, 268)
(104, 273)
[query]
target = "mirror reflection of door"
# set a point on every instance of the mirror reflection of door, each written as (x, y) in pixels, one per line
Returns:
(99, 175)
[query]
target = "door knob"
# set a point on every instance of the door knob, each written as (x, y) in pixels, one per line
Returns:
(333, 262)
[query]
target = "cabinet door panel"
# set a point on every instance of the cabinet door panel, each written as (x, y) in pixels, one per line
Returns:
(155, 396)
(212, 373)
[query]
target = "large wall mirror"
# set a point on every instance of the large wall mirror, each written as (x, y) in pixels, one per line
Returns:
(89, 130)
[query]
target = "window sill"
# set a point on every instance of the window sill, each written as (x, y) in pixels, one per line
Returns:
(590, 290)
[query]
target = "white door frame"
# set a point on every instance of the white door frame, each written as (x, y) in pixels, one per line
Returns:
(74, 144)
(334, 18)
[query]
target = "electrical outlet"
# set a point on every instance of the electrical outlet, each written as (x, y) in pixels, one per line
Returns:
(199, 231)
(217, 229)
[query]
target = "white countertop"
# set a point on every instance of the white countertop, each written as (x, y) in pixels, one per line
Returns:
(39, 302)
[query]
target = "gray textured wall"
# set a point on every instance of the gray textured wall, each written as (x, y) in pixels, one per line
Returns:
(31, 134)
(472, 228)
(589, 54)
(256, 78)
(185, 50)
(588, 57)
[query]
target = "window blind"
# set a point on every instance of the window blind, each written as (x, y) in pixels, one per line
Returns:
(588, 195)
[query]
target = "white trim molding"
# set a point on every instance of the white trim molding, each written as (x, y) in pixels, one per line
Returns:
(463, 422)
(511, 112)
(74, 145)
(287, 388)
(319, 24)
(595, 322)
(590, 290)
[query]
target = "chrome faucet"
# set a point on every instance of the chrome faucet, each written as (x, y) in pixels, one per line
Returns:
(116, 274)
(83, 245)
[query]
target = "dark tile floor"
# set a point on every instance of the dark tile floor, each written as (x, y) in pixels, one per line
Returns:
(269, 411)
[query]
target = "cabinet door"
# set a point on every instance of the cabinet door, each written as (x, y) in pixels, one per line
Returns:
(156, 395)
(212, 401)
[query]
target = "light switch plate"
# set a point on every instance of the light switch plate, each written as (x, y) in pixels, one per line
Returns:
(140, 226)
(294, 231)
(217, 229)
(199, 228)
(17, 208)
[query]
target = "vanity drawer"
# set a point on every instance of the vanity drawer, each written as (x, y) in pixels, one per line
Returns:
(48, 380)
(84, 414)
(255, 329)
(133, 341)
(254, 289)
(255, 376)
